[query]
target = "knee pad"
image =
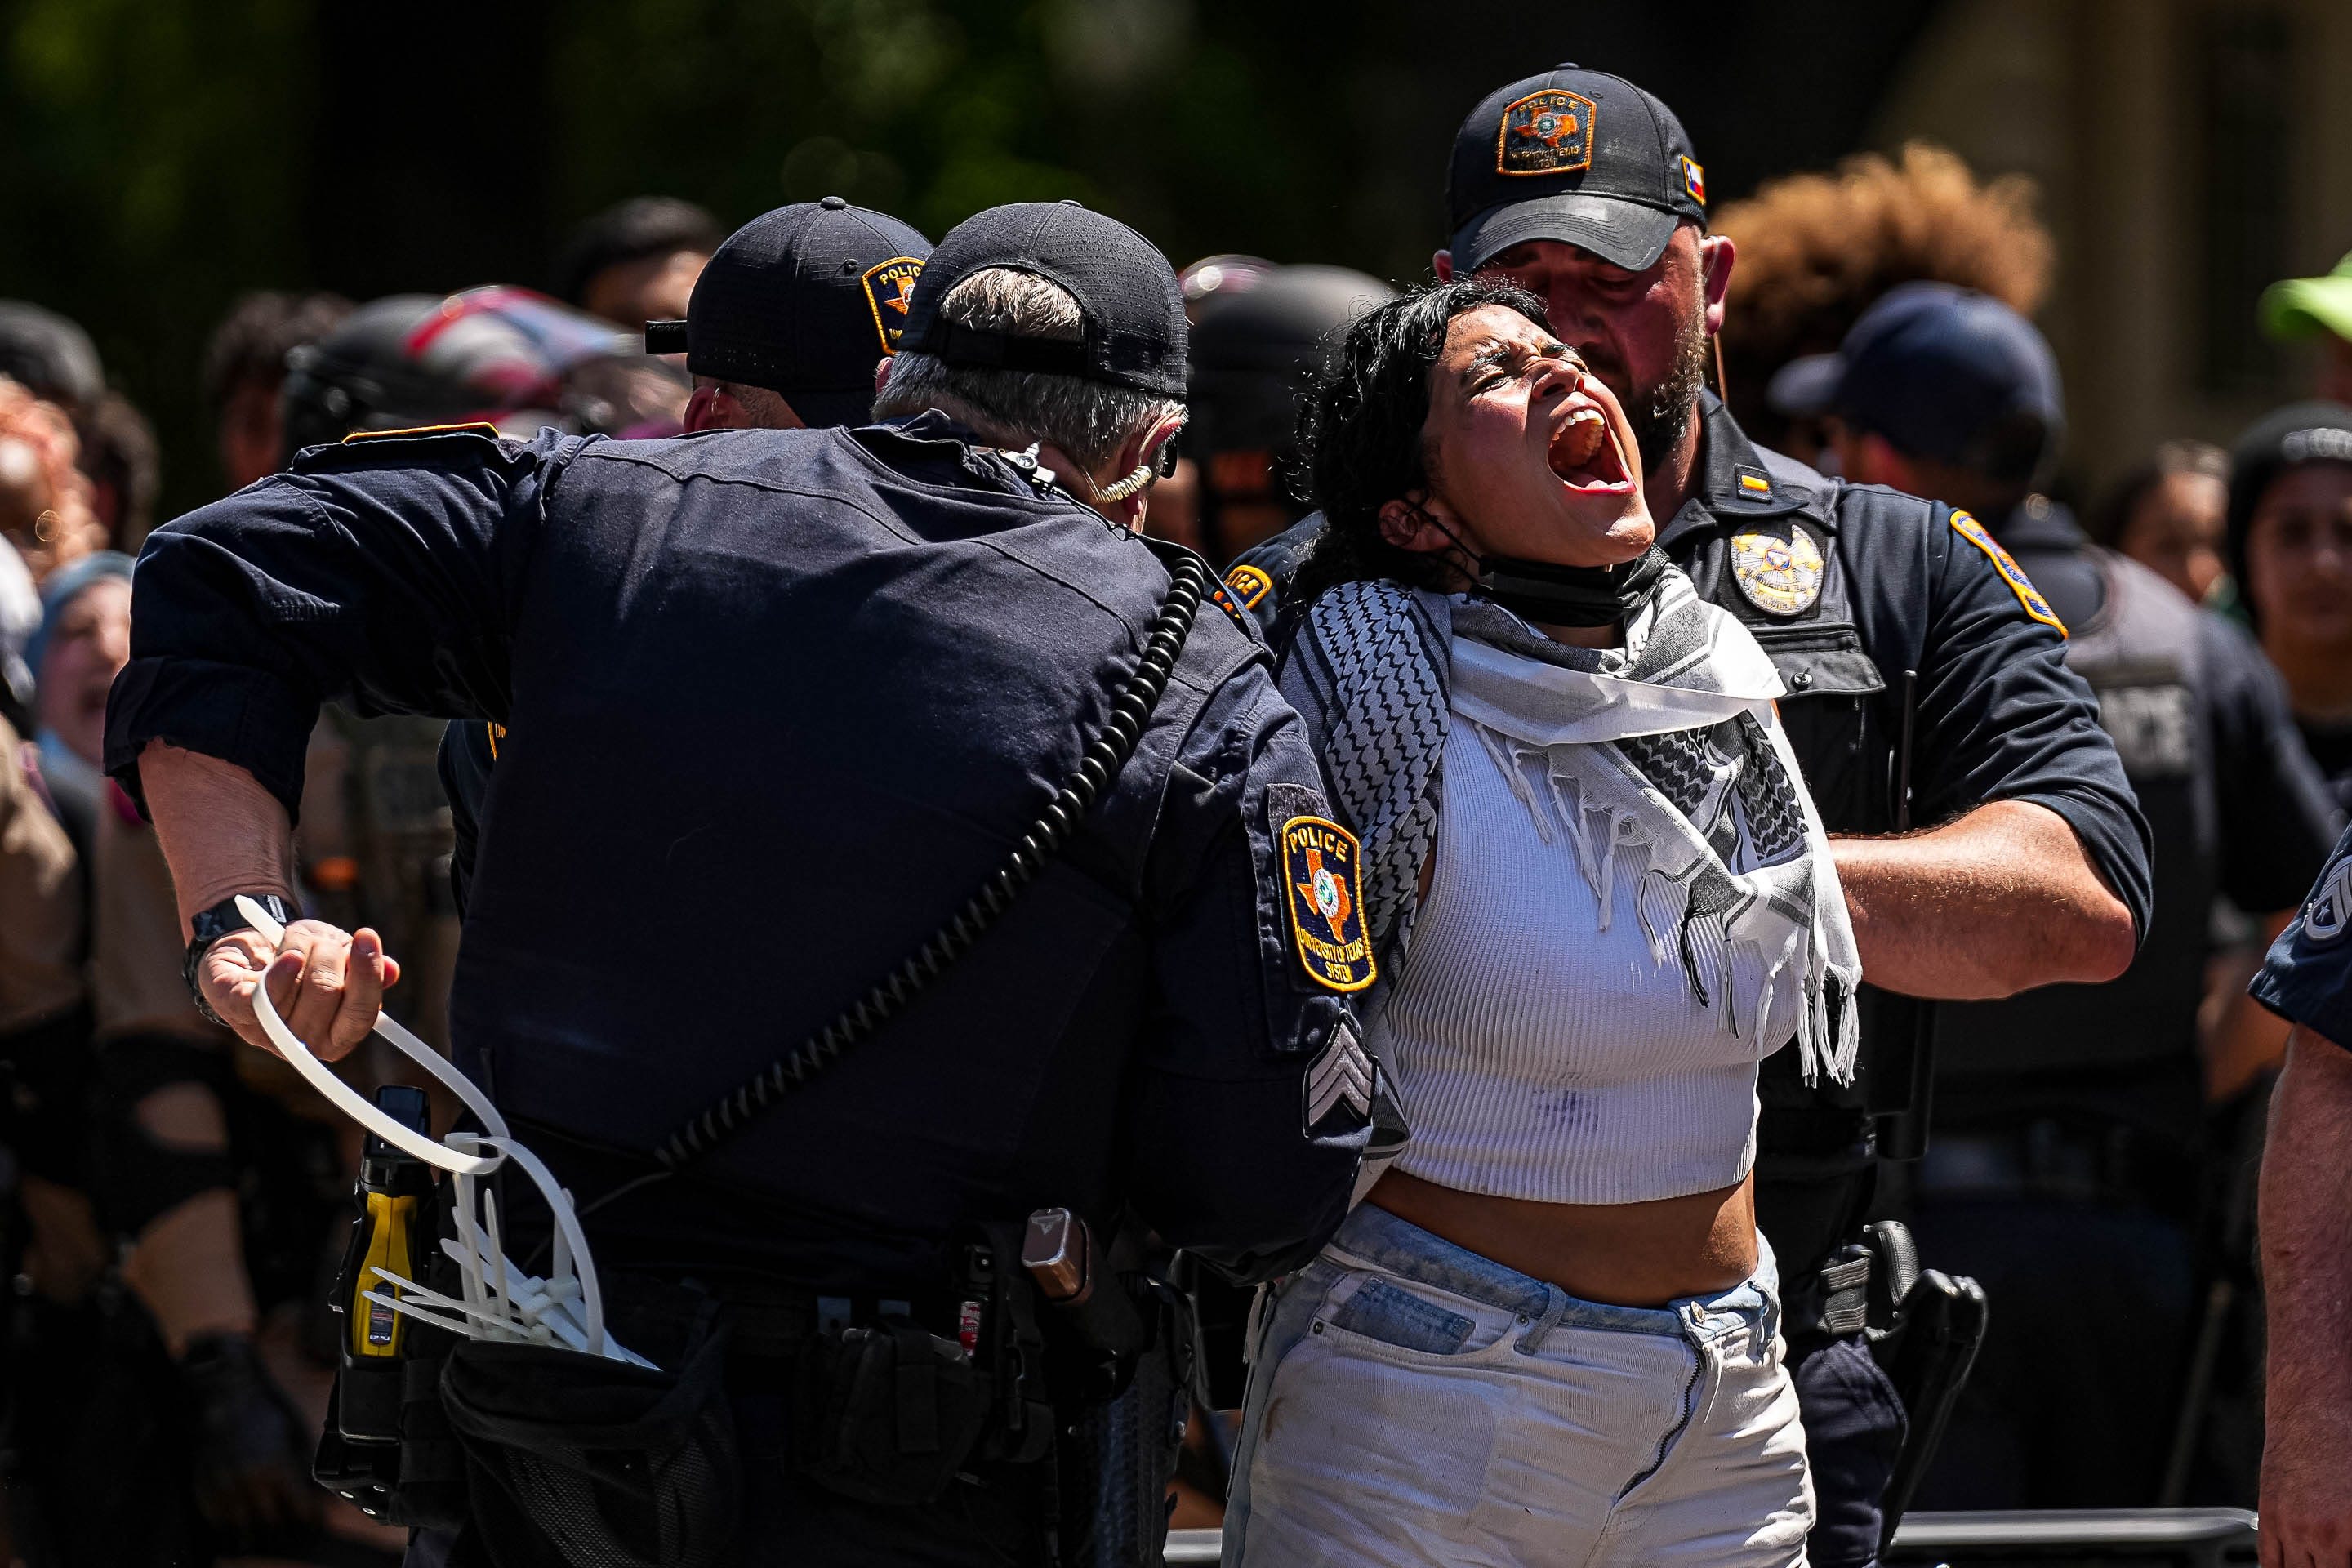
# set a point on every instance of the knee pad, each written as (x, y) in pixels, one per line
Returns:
(139, 1177)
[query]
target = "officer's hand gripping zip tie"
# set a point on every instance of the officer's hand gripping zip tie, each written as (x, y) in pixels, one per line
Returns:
(499, 1300)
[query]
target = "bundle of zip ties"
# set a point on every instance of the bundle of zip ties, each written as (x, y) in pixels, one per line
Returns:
(496, 1300)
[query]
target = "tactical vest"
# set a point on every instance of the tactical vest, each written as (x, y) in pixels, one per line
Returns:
(2142, 655)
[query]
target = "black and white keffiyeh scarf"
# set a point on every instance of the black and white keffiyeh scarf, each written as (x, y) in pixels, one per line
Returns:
(1663, 756)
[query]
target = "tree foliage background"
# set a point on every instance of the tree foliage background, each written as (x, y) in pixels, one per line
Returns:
(158, 156)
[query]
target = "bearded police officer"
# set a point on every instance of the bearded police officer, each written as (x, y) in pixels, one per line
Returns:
(1890, 618)
(854, 665)
(2064, 1168)
(782, 331)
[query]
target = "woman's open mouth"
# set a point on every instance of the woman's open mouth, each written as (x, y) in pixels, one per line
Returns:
(1586, 457)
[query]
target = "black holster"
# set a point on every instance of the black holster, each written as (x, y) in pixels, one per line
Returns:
(1119, 1456)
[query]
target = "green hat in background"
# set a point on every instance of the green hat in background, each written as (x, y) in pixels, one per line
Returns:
(2306, 307)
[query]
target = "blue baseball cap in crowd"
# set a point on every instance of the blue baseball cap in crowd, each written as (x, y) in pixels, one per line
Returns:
(1941, 372)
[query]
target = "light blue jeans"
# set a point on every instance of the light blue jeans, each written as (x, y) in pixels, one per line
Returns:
(1413, 1402)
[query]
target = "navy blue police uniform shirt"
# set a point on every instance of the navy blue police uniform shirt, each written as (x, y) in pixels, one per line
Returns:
(2238, 809)
(775, 704)
(1846, 587)
(2306, 977)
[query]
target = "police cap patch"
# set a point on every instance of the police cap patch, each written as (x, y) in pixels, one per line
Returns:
(1323, 872)
(1249, 584)
(2036, 607)
(1779, 577)
(890, 285)
(1547, 133)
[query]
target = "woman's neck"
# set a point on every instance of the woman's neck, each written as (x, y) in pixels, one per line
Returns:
(2318, 678)
(1610, 636)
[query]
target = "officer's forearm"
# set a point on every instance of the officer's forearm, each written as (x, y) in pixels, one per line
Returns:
(2307, 1238)
(221, 831)
(2002, 900)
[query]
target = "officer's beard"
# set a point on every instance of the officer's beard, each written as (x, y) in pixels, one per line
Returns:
(1661, 412)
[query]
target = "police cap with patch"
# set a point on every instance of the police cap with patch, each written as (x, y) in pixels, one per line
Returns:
(1941, 372)
(1575, 155)
(1134, 309)
(802, 300)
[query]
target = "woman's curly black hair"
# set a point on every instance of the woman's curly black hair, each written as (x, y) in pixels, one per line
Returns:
(1360, 430)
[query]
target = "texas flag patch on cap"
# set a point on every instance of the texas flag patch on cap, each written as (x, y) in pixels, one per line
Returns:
(1693, 179)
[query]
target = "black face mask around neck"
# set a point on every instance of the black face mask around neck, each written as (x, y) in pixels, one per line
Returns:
(1550, 594)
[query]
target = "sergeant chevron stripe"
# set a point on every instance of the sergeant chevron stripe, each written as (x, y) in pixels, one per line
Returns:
(1341, 1075)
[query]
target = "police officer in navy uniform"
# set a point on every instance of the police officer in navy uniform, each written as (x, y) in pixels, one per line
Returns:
(1887, 616)
(786, 323)
(2070, 1136)
(778, 703)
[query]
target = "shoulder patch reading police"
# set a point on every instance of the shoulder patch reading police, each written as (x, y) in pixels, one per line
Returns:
(889, 287)
(1323, 866)
(1340, 1084)
(1249, 585)
(1547, 133)
(2036, 607)
(2329, 911)
(1779, 577)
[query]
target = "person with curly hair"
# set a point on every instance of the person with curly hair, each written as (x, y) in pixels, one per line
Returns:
(1599, 895)
(1815, 249)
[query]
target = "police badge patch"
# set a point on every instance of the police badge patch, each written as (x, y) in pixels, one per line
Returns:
(2036, 607)
(1547, 133)
(1779, 577)
(1249, 585)
(889, 287)
(1322, 866)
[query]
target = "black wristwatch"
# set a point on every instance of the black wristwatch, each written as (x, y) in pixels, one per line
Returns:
(211, 925)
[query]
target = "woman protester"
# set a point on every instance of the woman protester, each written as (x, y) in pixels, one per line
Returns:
(1596, 895)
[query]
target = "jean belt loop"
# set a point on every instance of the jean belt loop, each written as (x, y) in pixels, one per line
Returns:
(1555, 1308)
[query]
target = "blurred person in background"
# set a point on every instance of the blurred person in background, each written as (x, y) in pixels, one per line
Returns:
(2317, 309)
(45, 498)
(2171, 515)
(2063, 1172)
(636, 260)
(1254, 350)
(167, 1096)
(2290, 548)
(244, 366)
(1816, 249)
(1176, 500)
(54, 359)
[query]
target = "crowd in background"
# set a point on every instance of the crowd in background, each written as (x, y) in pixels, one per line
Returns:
(174, 1202)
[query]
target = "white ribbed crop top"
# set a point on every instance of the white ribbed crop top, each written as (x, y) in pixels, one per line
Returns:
(1538, 1054)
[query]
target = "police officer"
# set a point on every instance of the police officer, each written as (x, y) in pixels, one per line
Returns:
(1253, 352)
(783, 333)
(2306, 1191)
(2069, 1121)
(1886, 618)
(852, 667)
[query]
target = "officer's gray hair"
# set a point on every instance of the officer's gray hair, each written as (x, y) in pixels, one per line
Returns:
(1012, 408)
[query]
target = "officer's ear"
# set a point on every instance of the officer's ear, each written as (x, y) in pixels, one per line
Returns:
(712, 409)
(1716, 256)
(881, 374)
(1441, 263)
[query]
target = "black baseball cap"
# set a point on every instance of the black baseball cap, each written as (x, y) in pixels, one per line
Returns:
(48, 356)
(1135, 332)
(802, 300)
(1574, 155)
(1936, 369)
